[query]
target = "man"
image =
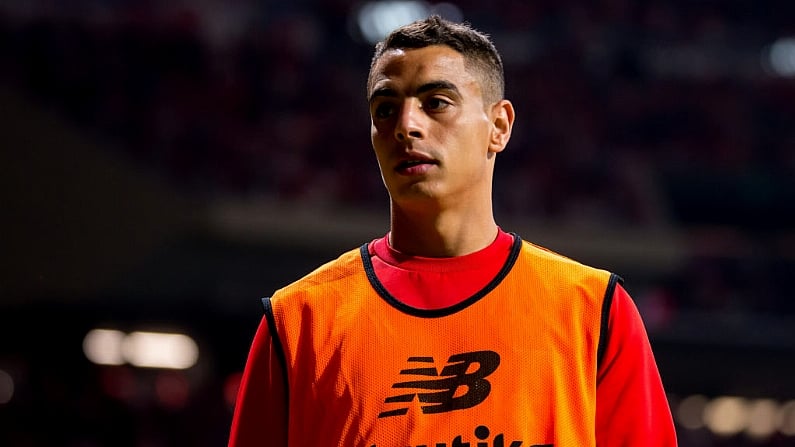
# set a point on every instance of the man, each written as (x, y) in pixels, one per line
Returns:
(448, 331)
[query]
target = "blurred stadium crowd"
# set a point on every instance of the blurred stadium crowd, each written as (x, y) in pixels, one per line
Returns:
(631, 114)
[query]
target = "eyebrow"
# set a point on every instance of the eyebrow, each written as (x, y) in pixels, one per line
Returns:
(438, 85)
(424, 88)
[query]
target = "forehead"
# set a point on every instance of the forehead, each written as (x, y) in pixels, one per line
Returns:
(414, 67)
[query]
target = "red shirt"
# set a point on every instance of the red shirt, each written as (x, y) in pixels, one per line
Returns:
(632, 408)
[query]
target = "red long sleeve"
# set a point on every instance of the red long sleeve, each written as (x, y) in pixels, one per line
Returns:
(631, 405)
(260, 416)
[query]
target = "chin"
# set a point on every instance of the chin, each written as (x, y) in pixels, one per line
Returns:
(415, 196)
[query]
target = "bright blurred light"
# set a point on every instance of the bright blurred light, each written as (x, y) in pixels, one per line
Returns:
(781, 57)
(786, 418)
(726, 415)
(690, 412)
(103, 346)
(762, 418)
(6, 387)
(374, 20)
(377, 19)
(143, 349)
(160, 350)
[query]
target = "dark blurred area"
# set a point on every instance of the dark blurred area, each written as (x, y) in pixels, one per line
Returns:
(166, 164)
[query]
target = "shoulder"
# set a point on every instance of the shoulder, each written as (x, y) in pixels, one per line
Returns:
(556, 272)
(337, 271)
(550, 261)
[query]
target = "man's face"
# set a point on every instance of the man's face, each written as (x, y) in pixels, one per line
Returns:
(431, 130)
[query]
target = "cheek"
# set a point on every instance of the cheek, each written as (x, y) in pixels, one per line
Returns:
(378, 148)
(373, 131)
(474, 134)
(379, 134)
(376, 139)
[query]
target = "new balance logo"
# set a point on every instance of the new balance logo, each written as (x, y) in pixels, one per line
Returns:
(443, 391)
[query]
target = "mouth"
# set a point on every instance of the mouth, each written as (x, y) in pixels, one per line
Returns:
(407, 164)
(412, 159)
(415, 166)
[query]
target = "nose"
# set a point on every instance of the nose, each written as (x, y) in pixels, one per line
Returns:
(409, 122)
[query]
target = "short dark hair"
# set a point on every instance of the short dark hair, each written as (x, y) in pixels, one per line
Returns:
(476, 47)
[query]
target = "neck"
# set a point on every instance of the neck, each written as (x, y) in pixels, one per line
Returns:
(445, 233)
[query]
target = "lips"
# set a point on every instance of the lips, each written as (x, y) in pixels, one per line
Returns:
(412, 158)
(410, 163)
(415, 165)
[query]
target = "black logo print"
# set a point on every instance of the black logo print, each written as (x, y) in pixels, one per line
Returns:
(442, 392)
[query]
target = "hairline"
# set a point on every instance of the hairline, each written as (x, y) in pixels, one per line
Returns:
(479, 69)
(481, 58)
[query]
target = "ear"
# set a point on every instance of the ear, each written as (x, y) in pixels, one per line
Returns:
(502, 116)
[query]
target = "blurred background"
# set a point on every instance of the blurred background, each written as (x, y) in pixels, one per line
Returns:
(166, 164)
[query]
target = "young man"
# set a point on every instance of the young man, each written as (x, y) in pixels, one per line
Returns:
(448, 331)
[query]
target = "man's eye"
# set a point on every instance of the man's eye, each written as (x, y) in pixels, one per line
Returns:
(384, 110)
(436, 104)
